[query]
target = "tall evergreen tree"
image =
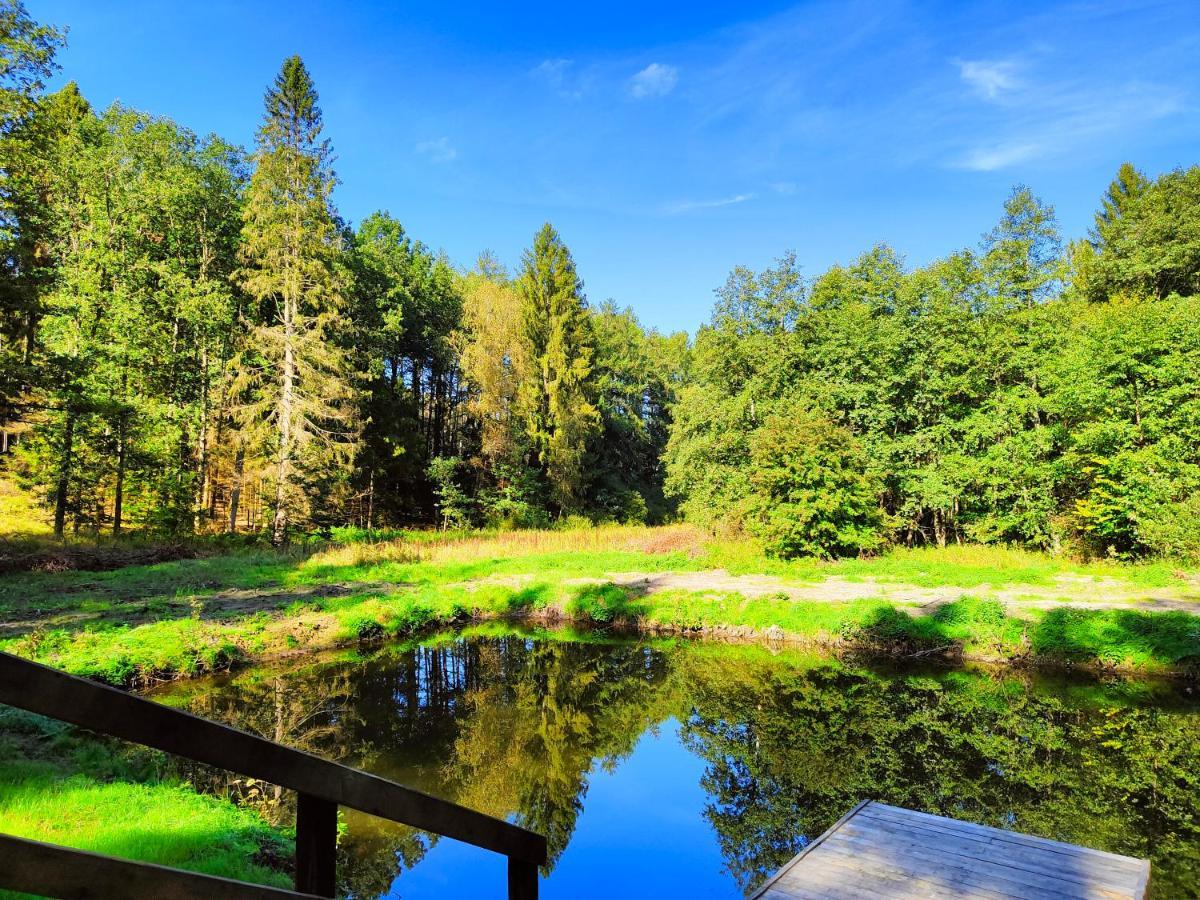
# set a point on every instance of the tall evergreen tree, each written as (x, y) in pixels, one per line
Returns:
(296, 377)
(1122, 193)
(27, 152)
(557, 401)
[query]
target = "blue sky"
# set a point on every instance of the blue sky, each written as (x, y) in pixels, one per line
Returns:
(669, 143)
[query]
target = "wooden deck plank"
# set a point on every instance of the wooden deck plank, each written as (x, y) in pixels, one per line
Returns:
(877, 850)
(969, 871)
(839, 867)
(928, 820)
(1020, 860)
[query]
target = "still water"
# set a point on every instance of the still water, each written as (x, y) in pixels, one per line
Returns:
(696, 769)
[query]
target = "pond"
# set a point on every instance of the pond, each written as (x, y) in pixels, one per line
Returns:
(697, 768)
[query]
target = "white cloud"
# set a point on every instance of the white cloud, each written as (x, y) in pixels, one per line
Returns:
(553, 70)
(1056, 120)
(439, 151)
(990, 78)
(656, 80)
(558, 74)
(693, 205)
(989, 159)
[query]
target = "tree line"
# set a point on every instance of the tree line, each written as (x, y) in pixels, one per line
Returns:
(201, 343)
(198, 342)
(1021, 392)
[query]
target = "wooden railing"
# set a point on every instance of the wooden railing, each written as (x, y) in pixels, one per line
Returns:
(322, 786)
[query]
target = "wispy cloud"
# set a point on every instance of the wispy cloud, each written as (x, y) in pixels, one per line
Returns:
(557, 73)
(1056, 119)
(1002, 156)
(656, 80)
(990, 78)
(438, 151)
(687, 206)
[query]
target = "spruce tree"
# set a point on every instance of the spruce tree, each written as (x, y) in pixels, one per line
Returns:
(294, 375)
(557, 399)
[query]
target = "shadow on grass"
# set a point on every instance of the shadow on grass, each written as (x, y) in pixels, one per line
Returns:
(530, 597)
(604, 603)
(1115, 637)
(1118, 636)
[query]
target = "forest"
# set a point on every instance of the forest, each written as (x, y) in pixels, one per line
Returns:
(193, 341)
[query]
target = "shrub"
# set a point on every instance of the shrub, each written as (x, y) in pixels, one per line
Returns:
(515, 501)
(453, 502)
(812, 492)
(1173, 529)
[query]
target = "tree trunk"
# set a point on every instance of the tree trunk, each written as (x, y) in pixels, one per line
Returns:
(119, 494)
(202, 447)
(235, 489)
(64, 475)
(371, 501)
(287, 402)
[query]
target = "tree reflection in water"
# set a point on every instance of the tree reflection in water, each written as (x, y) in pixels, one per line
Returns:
(515, 725)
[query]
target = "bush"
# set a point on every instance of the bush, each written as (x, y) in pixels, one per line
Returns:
(453, 502)
(515, 501)
(812, 492)
(1173, 530)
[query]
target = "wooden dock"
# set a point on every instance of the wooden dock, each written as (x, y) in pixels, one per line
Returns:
(877, 850)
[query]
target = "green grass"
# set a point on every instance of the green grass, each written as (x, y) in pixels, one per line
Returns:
(152, 622)
(966, 566)
(90, 795)
(19, 512)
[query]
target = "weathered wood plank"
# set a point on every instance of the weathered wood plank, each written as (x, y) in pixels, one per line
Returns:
(808, 848)
(877, 850)
(51, 871)
(973, 871)
(928, 820)
(1019, 858)
(837, 856)
(48, 691)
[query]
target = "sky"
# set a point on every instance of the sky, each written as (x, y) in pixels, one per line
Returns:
(669, 143)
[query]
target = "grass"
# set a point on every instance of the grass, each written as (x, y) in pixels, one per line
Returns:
(20, 513)
(143, 623)
(60, 787)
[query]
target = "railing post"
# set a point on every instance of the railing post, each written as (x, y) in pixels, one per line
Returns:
(522, 879)
(316, 845)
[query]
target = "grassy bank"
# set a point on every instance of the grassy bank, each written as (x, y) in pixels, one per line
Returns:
(142, 623)
(65, 787)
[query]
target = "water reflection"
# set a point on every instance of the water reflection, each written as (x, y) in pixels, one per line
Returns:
(519, 726)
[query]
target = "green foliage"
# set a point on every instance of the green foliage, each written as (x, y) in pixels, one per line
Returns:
(1172, 530)
(293, 376)
(813, 495)
(557, 399)
(1147, 238)
(515, 498)
(989, 402)
(453, 503)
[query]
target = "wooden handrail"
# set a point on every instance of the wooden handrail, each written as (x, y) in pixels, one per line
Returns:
(50, 870)
(322, 785)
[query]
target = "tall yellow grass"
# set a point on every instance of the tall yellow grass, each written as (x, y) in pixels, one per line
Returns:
(457, 547)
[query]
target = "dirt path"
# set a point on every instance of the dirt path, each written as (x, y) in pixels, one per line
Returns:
(1082, 593)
